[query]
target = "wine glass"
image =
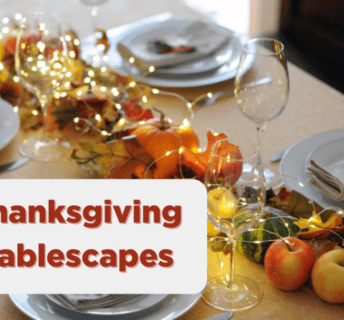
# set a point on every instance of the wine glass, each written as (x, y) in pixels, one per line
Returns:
(262, 91)
(94, 52)
(235, 197)
(41, 62)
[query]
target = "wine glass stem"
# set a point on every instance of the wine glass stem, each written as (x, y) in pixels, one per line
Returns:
(43, 100)
(94, 15)
(260, 131)
(233, 244)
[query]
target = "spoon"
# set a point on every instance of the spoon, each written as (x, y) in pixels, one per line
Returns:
(210, 98)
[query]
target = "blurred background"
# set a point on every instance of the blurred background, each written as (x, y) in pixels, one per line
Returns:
(312, 30)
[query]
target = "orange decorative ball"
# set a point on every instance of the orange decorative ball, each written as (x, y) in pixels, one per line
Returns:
(162, 140)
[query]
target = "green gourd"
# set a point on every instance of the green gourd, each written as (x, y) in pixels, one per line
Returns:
(274, 224)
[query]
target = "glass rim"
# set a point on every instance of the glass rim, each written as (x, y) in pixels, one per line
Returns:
(230, 139)
(246, 49)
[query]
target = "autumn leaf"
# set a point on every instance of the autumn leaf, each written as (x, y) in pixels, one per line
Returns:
(125, 158)
(315, 227)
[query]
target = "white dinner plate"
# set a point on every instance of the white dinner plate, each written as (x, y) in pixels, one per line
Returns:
(157, 30)
(294, 164)
(38, 307)
(127, 307)
(9, 123)
(225, 72)
(330, 156)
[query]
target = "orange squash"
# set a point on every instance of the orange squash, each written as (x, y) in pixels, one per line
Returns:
(159, 138)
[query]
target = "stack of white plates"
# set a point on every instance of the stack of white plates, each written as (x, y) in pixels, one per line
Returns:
(327, 150)
(216, 67)
(147, 307)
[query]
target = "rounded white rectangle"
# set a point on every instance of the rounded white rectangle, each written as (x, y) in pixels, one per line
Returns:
(108, 236)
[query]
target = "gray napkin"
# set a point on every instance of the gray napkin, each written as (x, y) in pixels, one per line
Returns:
(324, 181)
(92, 301)
(204, 37)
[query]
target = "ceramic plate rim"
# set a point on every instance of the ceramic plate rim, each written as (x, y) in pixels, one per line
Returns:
(10, 132)
(108, 311)
(170, 313)
(299, 171)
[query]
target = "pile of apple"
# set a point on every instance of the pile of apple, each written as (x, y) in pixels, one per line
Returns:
(290, 262)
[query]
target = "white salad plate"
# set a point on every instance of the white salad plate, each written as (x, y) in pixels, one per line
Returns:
(9, 123)
(134, 305)
(39, 307)
(214, 69)
(295, 160)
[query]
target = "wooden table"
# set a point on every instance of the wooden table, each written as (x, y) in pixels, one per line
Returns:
(313, 107)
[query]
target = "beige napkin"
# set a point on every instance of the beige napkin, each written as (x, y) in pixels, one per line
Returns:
(204, 37)
(92, 301)
(324, 181)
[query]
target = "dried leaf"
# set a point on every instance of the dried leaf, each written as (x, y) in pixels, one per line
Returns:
(125, 156)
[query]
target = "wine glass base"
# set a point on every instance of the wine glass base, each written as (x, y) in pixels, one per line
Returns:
(242, 294)
(272, 180)
(40, 150)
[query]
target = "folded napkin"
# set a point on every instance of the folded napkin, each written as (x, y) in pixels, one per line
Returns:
(92, 301)
(203, 37)
(325, 181)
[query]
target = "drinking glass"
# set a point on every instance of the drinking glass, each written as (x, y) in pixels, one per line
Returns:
(94, 51)
(235, 197)
(262, 85)
(41, 62)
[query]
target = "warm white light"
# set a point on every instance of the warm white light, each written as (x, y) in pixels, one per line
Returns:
(91, 73)
(16, 79)
(16, 109)
(189, 105)
(151, 69)
(102, 89)
(155, 91)
(144, 99)
(18, 16)
(76, 120)
(72, 54)
(68, 37)
(5, 20)
(131, 60)
(35, 112)
(115, 91)
(121, 122)
(97, 117)
(132, 84)
(87, 80)
(56, 95)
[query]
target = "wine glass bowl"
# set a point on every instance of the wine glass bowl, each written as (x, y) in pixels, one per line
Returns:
(41, 62)
(235, 198)
(262, 101)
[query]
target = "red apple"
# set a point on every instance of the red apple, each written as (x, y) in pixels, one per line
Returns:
(288, 263)
(328, 276)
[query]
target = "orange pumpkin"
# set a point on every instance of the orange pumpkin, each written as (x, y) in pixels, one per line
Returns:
(159, 137)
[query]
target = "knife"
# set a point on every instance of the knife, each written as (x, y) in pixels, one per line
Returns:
(278, 155)
(13, 165)
(222, 316)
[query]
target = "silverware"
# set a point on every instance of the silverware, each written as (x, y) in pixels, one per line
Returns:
(13, 165)
(278, 155)
(222, 316)
(209, 99)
